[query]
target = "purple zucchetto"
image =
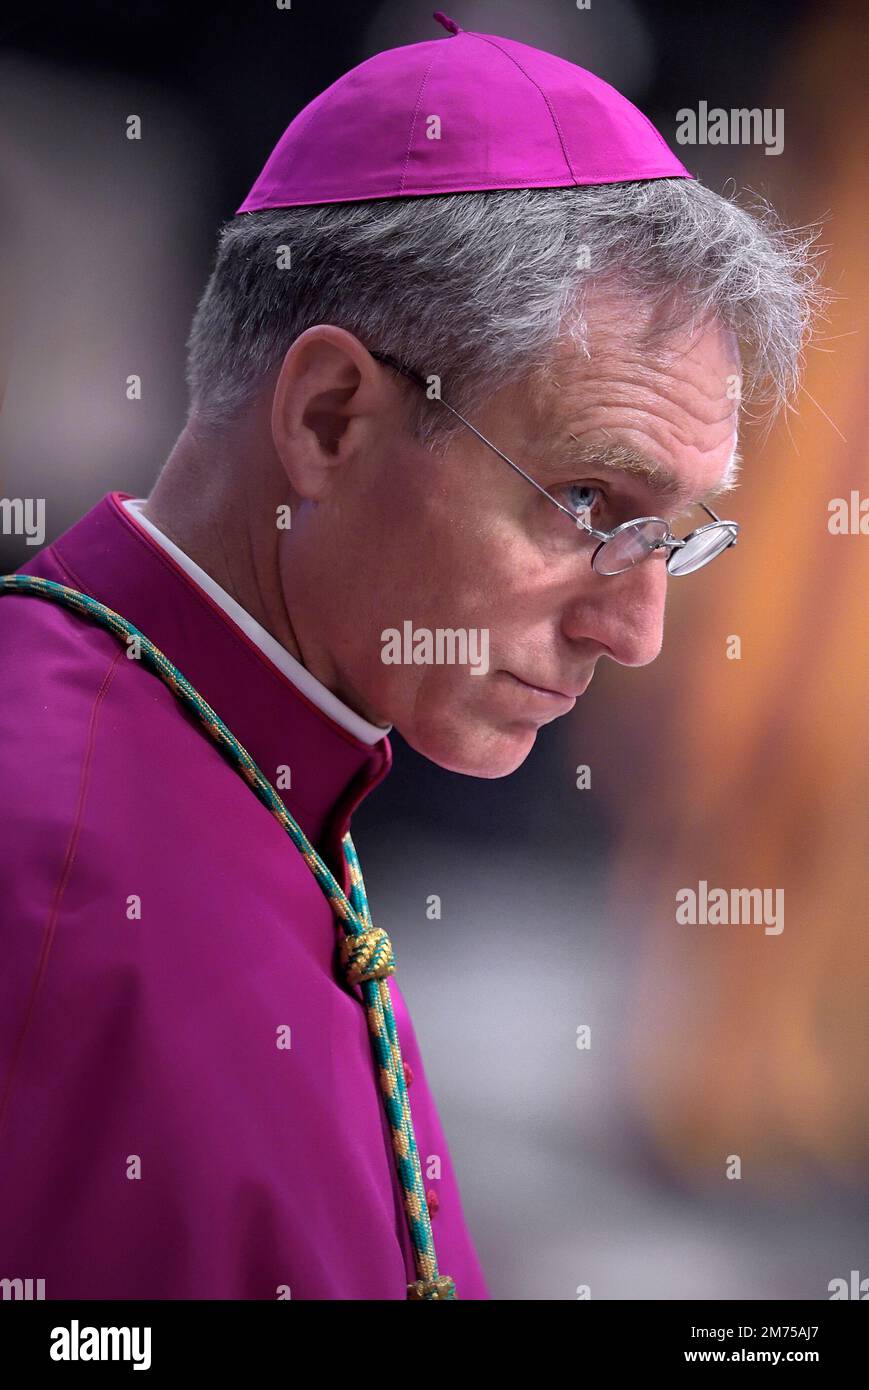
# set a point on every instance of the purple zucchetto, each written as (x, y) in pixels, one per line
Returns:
(459, 114)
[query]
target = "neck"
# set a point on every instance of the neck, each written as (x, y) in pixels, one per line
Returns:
(227, 526)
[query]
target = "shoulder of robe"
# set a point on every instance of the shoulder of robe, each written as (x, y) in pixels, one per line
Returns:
(79, 718)
(72, 702)
(58, 670)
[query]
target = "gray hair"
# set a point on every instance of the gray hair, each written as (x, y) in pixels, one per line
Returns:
(478, 287)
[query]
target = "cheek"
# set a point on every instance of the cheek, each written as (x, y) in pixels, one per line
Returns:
(441, 564)
(445, 555)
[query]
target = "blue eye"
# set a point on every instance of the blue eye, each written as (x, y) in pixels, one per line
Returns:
(577, 502)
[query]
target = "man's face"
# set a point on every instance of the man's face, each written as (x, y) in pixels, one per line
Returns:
(463, 543)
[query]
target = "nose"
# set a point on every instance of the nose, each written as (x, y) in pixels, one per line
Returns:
(623, 612)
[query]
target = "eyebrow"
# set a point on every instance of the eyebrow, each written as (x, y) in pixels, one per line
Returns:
(623, 458)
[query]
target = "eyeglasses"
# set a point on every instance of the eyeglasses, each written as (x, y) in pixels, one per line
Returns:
(626, 545)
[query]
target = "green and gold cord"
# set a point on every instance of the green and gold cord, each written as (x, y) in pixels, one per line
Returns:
(365, 950)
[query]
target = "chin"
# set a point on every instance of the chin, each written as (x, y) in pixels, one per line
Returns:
(472, 749)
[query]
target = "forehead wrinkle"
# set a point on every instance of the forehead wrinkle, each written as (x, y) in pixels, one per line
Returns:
(624, 458)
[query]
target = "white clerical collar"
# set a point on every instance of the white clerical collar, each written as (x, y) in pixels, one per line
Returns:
(295, 672)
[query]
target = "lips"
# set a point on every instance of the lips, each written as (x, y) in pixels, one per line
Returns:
(551, 690)
(548, 690)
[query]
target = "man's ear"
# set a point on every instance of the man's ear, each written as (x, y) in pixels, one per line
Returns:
(327, 397)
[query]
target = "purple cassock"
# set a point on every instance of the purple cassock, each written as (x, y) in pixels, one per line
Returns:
(189, 1105)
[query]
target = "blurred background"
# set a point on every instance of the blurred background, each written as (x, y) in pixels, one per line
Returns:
(604, 1166)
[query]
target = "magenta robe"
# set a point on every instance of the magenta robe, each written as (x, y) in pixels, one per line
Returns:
(265, 1172)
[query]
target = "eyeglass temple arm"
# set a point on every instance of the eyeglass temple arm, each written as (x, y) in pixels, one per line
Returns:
(421, 381)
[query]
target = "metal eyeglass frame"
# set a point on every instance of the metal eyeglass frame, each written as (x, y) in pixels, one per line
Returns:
(668, 541)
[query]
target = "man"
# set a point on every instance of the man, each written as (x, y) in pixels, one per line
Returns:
(471, 345)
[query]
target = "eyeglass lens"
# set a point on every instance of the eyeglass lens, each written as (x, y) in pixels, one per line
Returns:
(635, 541)
(631, 544)
(699, 549)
